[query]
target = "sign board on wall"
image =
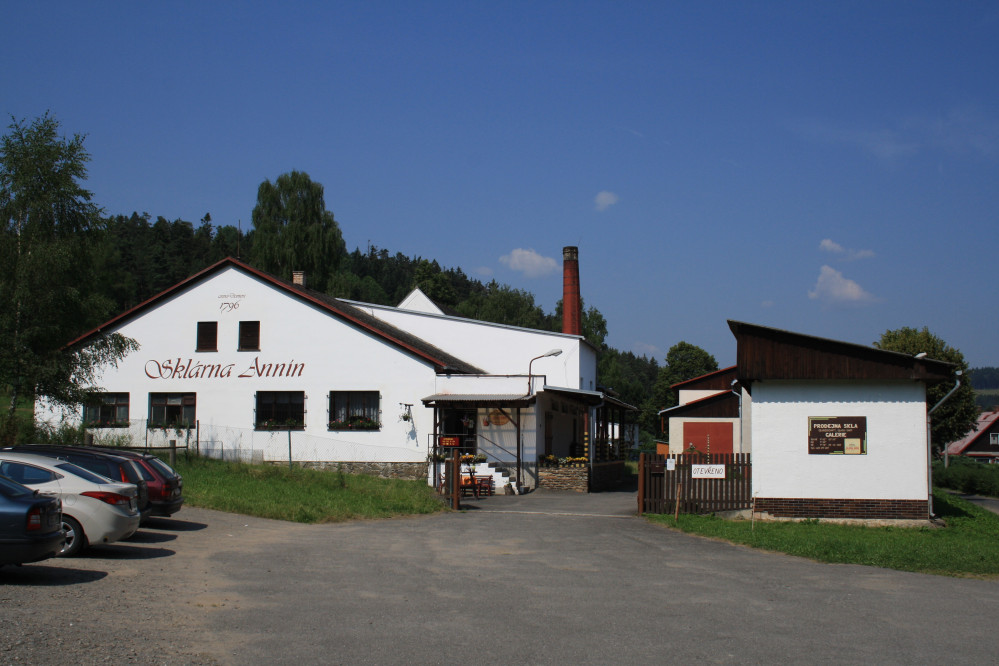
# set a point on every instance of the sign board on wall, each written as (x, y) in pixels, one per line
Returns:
(450, 441)
(844, 435)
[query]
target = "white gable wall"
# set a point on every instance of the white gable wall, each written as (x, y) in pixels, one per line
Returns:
(893, 468)
(302, 348)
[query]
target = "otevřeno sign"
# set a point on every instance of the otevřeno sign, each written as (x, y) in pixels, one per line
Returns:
(707, 471)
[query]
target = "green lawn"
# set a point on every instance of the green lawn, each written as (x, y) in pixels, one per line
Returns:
(305, 496)
(967, 546)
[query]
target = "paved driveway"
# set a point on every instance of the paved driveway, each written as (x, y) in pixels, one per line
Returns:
(546, 578)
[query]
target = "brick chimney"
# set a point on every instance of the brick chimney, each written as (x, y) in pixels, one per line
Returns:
(298, 277)
(572, 306)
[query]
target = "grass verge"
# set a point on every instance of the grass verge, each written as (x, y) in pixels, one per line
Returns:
(300, 495)
(967, 546)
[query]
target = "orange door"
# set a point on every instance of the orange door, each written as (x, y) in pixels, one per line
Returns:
(708, 437)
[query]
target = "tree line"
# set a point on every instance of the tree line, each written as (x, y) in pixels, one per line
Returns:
(66, 267)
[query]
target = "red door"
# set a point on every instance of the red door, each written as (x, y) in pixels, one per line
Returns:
(708, 437)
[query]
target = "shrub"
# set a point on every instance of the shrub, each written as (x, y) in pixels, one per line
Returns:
(967, 476)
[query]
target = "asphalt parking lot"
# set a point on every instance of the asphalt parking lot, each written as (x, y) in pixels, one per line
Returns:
(540, 579)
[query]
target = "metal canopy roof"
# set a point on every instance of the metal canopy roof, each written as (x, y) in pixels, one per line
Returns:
(478, 399)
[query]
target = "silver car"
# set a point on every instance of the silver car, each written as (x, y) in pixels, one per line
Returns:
(95, 509)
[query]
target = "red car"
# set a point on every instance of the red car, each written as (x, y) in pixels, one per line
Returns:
(165, 484)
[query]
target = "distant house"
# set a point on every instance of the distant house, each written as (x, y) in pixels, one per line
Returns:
(708, 416)
(982, 443)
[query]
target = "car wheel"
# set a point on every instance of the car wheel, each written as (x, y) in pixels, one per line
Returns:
(75, 538)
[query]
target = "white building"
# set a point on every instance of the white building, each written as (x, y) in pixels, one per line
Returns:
(239, 363)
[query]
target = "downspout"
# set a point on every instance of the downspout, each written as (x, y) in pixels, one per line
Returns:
(929, 445)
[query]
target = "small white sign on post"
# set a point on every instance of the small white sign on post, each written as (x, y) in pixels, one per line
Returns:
(707, 471)
(670, 464)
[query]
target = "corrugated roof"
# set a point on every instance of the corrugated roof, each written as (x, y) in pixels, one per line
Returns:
(481, 399)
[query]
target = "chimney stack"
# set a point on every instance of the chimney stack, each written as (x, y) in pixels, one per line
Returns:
(572, 306)
(298, 277)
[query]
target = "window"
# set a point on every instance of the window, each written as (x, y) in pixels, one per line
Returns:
(994, 439)
(172, 409)
(109, 410)
(208, 336)
(27, 474)
(354, 410)
(280, 410)
(249, 336)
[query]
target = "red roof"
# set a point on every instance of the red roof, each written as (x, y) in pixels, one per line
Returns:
(981, 430)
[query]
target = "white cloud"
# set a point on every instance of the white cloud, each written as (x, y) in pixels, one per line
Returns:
(647, 349)
(831, 246)
(529, 262)
(484, 271)
(605, 200)
(834, 289)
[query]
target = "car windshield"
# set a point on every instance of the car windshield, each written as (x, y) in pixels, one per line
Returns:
(12, 489)
(163, 468)
(76, 470)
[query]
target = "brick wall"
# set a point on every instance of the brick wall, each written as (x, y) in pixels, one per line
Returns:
(783, 507)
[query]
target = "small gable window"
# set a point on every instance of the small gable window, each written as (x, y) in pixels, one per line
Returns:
(208, 336)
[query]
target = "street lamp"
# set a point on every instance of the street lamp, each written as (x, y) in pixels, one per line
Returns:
(554, 352)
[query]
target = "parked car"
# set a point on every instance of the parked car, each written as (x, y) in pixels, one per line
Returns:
(105, 463)
(30, 524)
(94, 509)
(165, 485)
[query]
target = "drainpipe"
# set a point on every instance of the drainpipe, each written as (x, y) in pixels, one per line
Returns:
(929, 445)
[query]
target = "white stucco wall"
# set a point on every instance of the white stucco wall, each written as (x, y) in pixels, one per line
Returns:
(895, 466)
(499, 349)
(320, 354)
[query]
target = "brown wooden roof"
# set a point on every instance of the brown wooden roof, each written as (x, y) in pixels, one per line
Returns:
(723, 405)
(769, 353)
(719, 380)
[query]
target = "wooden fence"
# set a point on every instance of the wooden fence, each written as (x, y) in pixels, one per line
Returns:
(694, 483)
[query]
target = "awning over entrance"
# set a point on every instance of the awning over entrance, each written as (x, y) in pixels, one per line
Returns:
(472, 400)
(591, 398)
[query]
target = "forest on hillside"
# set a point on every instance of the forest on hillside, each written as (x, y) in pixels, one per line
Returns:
(142, 256)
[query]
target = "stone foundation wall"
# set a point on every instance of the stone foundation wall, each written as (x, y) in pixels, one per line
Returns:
(387, 470)
(864, 509)
(564, 478)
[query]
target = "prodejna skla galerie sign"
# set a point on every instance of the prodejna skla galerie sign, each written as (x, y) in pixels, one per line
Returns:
(845, 435)
(190, 369)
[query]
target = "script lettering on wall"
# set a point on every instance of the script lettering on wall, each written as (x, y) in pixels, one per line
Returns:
(230, 302)
(180, 368)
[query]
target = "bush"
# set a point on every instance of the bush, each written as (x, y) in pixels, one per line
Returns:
(967, 476)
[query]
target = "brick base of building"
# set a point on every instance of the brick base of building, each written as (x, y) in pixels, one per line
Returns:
(862, 509)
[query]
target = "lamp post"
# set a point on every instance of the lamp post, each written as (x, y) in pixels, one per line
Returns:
(554, 352)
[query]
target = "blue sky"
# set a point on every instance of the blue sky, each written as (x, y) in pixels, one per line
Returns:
(831, 168)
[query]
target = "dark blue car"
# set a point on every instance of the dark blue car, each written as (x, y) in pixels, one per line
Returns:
(30, 524)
